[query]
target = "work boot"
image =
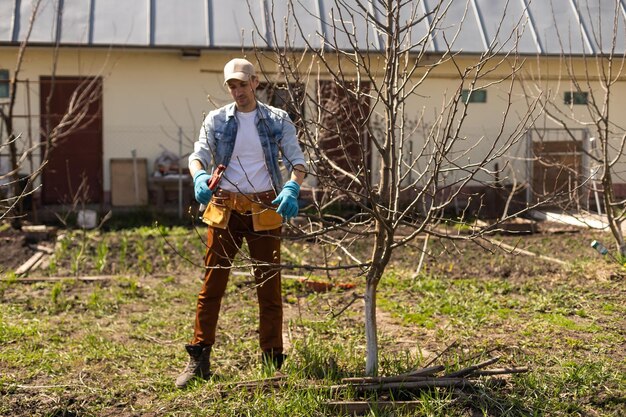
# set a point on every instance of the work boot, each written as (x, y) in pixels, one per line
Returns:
(198, 366)
(274, 358)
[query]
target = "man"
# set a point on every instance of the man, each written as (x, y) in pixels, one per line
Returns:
(248, 137)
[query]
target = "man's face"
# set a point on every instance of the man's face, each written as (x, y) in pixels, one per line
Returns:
(243, 93)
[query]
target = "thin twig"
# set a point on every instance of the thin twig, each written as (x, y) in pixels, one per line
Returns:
(518, 251)
(501, 371)
(355, 297)
(428, 371)
(450, 346)
(471, 369)
(43, 386)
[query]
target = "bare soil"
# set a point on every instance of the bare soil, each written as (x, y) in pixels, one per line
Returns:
(308, 304)
(15, 248)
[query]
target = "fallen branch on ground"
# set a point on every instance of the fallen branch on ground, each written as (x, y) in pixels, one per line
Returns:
(52, 279)
(502, 371)
(518, 251)
(407, 383)
(470, 369)
(409, 376)
(419, 379)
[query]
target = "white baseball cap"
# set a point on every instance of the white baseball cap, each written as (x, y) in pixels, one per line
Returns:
(239, 69)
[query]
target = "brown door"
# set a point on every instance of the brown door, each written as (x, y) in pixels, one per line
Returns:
(74, 168)
(344, 134)
(557, 170)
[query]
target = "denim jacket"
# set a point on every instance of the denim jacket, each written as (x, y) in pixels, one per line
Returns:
(278, 137)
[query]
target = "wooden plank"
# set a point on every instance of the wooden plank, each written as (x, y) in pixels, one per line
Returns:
(123, 191)
(53, 279)
(26, 266)
(42, 262)
(42, 248)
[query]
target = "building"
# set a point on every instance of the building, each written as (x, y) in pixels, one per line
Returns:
(157, 66)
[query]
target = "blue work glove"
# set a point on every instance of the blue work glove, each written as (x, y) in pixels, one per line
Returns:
(201, 187)
(287, 200)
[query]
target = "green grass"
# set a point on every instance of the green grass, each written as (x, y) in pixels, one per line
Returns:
(114, 347)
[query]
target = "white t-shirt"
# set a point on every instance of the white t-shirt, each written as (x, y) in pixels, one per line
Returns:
(246, 172)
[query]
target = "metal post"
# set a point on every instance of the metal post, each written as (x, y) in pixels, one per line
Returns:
(135, 175)
(180, 173)
(529, 166)
(594, 173)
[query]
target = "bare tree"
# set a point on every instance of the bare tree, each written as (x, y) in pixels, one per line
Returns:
(583, 108)
(52, 133)
(13, 193)
(360, 90)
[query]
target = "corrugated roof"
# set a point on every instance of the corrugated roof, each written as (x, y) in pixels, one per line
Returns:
(539, 26)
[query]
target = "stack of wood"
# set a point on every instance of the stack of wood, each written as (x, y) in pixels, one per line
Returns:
(39, 260)
(408, 383)
(36, 237)
(386, 390)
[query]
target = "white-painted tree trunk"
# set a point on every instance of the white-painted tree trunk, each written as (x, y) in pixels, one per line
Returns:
(371, 334)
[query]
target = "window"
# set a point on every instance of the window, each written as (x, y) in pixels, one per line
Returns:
(576, 97)
(4, 83)
(474, 96)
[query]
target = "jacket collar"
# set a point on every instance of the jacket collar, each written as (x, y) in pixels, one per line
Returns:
(262, 110)
(230, 110)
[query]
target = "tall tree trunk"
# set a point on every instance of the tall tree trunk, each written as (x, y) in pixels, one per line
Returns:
(380, 256)
(371, 331)
(612, 213)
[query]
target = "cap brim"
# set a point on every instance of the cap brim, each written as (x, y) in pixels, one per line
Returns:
(241, 76)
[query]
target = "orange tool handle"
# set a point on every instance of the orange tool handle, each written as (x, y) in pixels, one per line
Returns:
(216, 177)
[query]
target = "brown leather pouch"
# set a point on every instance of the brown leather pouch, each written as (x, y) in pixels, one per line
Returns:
(217, 214)
(265, 218)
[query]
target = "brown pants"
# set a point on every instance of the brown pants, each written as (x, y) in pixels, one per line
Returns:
(222, 246)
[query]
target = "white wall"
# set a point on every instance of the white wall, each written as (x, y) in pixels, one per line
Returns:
(483, 122)
(149, 94)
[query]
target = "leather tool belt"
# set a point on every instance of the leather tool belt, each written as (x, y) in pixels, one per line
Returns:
(258, 205)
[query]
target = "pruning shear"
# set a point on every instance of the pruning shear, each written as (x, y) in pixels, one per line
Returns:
(216, 176)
